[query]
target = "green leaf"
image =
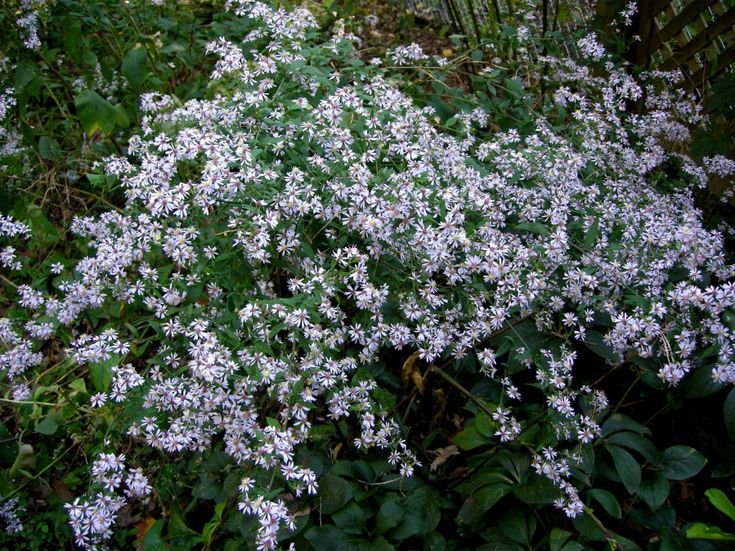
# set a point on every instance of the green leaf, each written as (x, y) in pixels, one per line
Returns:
(470, 438)
(634, 441)
(654, 490)
(25, 460)
(608, 501)
(595, 341)
(728, 410)
(517, 526)
(72, 37)
(558, 541)
(538, 490)
(626, 466)
(391, 512)
(590, 237)
(422, 514)
(153, 540)
(101, 374)
(532, 227)
(78, 385)
(721, 501)
(134, 68)
(700, 383)
(48, 425)
(682, 462)
(475, 506)
(334, 492)
(331, 538)
(24, 75)
(48, 148)
(434, 541)
(351, 519)
(617, 422)
(702, 531)
(95, 113)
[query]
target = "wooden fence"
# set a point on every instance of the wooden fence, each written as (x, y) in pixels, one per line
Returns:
(696, 36)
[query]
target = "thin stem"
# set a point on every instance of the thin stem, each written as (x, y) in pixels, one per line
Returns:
(462, 389)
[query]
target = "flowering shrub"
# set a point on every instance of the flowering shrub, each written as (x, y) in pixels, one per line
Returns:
(307, 220)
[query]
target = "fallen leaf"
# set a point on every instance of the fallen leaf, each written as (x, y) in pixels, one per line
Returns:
(442, 454)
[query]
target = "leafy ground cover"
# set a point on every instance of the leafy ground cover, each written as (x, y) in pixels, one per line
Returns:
(268, 284)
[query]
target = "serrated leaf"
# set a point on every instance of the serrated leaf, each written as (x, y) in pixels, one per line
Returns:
(682, 462)
(626, 466)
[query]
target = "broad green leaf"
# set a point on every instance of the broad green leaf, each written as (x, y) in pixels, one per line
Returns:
(331, 538)
(590, 237)
(422, 514)
(703, 531)
(721, 501)
(608, 501)
(654, 489)
(153, 540)
(682, 462)
(518, 526)
(95, 112)
(634, 441)
(480, 502)
(134, 68)
(72, 37)
(617, 422)
(101, 374)
(538, 490)
(595, 341)
(700, 383)
(48, 425)
(470, 438)
(391, 512)
(334, 493)
(532, 227)
(23, 76)
(626, 466)
(351, 518)
(48, 148)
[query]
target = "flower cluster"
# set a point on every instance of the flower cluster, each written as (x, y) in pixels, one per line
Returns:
(92, 520)
(10, 509)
